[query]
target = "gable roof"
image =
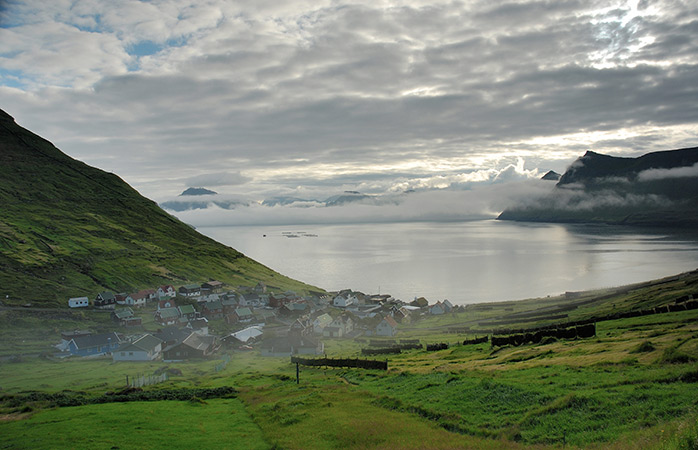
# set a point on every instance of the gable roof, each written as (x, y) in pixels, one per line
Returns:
(107, 296)
(198, 342)
(146, 343)
(247, 334)
(168, 313)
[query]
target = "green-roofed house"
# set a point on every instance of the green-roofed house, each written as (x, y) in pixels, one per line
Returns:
(187, 311)
(167, 316)
(145, 348)
(125, 317)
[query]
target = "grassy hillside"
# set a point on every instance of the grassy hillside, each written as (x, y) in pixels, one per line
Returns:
(68, 229)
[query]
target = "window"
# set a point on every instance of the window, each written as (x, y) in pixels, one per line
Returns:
(130, 353)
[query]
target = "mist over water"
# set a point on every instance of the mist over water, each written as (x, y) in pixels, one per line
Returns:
(465, 262)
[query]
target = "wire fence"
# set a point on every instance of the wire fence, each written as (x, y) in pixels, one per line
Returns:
(146, 380)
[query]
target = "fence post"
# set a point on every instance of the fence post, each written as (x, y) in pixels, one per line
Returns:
(298, 374)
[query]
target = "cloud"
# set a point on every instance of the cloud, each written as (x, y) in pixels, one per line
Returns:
(663, 174)
(433, 205)
(311, 97)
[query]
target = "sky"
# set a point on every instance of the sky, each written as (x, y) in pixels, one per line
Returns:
(467, 104)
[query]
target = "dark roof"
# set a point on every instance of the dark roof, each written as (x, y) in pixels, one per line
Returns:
(172, 333)
(95, 340)
(107, 296)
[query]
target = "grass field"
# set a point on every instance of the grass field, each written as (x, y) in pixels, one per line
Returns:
(634, 385)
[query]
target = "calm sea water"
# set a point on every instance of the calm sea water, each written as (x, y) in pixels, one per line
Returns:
(466, 262)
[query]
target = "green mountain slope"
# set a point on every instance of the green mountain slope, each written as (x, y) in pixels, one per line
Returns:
(656, 189)
(68, 229)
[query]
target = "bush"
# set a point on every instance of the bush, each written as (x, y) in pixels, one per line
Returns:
(644, 347)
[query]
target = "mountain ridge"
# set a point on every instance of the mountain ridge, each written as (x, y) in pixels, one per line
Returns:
(658, 189)
(68, 229)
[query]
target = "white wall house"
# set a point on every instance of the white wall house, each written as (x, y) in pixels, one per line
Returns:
(145, 348)
(387, 327)
(79, 302)
(342, 301)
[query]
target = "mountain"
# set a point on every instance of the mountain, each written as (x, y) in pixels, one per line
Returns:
(346, 197)
(69, 230)
(197, 191)
(551, 176)
(656, 189)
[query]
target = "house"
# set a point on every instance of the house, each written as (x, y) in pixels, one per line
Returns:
(105, 300)
(171, 335)
(209, 298)
(212, 310)
(139, 299)
(212, 286)
(79, 302)
(190, 290)
(193, 346)
(243, 315)
(387, 327)
(145, 348)
(167, 316)
(125, 317)
(67, 336)
(166, 291)
(437, 309)
(294, 309)
(249, 299)
(199, 326)
(187, 311)
(340, 326)
(94, 344)
(229, 303)
(448, 306)
(121, 298)
(247, 335)
(320, 322)
(260, 288)
(166, 303)
(402, 315)
(345, 300)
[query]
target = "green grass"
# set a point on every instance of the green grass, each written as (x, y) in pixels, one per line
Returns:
(215, 423)
(634, 385)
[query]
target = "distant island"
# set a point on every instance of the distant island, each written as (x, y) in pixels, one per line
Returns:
(656, 189)
(197, 191)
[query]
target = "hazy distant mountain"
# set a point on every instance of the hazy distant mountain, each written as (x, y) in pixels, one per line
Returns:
(656, 189)
(184, 203)
(346, 197)
(551, 176)
(71, 230)
(197, 191)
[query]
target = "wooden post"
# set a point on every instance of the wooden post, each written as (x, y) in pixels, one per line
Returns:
(126, 380)
(298, 374)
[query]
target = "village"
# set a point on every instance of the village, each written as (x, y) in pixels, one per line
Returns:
(203, 320)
